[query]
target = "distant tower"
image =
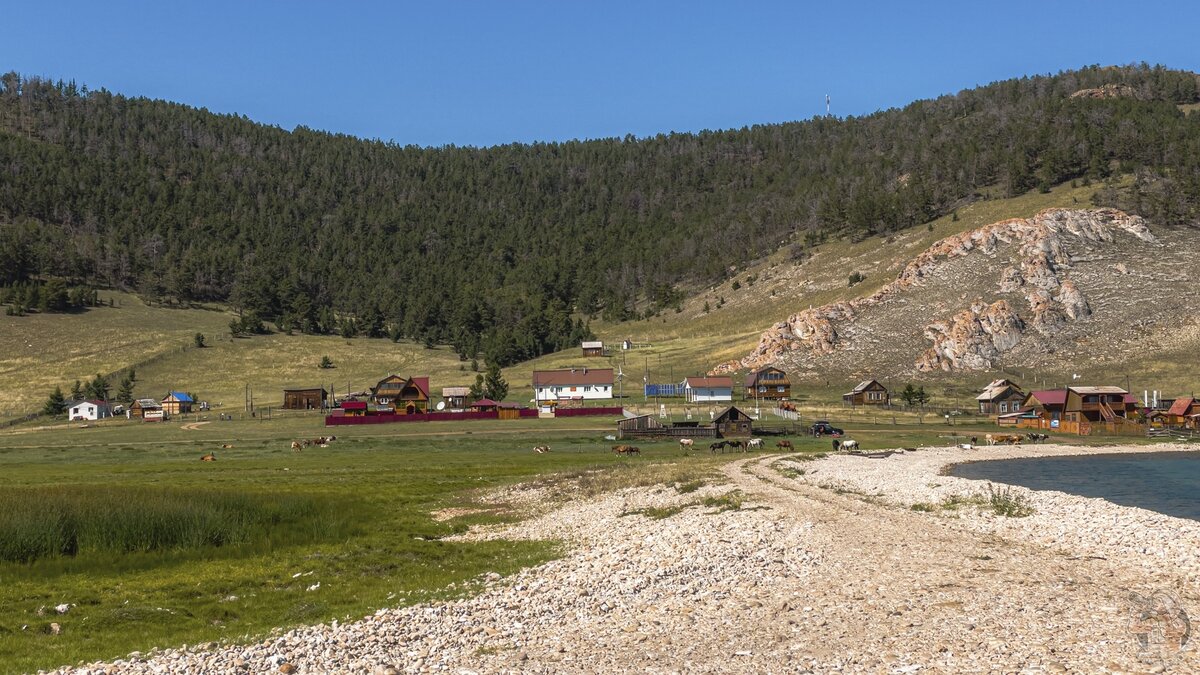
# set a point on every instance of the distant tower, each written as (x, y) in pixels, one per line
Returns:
(826, 105)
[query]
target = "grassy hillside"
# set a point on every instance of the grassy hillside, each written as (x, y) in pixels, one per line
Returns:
(40, 351)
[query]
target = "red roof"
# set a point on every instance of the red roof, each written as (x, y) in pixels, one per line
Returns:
(1130, 398)
(422, 383)
(484, 403)
(1180, 406)
(1050, 396)
(354, 405)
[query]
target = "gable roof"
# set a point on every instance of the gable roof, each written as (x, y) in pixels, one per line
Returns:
(729, 411)
(1087, 391)
(862, 386)
(752, 376)
(447, 392)
(147, 403)
(178, 396)
(718, 382)
(1049, 396)
(592, 344)
(306, 389)
(395, 383)
(572, 377)
(1180, 406)
(484, 403)
(996, 389)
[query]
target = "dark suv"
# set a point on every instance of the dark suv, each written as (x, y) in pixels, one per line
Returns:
(824, 428)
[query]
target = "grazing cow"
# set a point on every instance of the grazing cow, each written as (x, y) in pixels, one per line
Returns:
(754, 444)
(1037, 438)
(226, 446)
(850, 446)
(991, 440)
(296, 447)
(541, 449)
(686, 443)
(784, 445)
(974, 440)
(210, 457)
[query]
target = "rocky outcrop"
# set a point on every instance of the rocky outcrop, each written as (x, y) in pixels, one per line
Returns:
(972, 339)
(1107, 91)
(1042, 258)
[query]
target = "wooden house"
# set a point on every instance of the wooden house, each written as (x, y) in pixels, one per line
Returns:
(144, 408)
(455, 398)
(1047, 404)
(1000, 397)
(733, 422)
(485, 405)
(573, 384)
(768, 383)
(177, 403)
(305, 398)
(1098, 404)
(708, 389)
(592, 348)
(868, 392)
(1181, 410)
(403, 395)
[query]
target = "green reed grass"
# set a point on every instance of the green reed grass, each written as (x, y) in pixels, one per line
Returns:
(51, 522)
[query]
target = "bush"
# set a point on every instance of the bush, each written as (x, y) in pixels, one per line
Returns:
(856, 278)
(1006, 502)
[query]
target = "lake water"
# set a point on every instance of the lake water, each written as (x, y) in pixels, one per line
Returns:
(1166, 482)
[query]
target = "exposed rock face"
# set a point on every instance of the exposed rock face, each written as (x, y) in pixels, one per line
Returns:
(974, 337)
(1106, 91)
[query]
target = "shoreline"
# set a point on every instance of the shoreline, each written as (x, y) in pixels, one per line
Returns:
(920, 481)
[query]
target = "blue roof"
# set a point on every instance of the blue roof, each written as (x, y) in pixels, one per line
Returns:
(180, 396)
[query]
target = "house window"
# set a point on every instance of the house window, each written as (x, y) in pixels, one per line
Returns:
(762, 390)
(780, 389)
(587, 388)
(1003, 407)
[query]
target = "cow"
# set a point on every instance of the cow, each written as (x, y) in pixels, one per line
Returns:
(296, 446)
(541, 449)
(754, 444)
(686, 443)
(226, 446)
(784, 445)
(210, 457)
(991, 440)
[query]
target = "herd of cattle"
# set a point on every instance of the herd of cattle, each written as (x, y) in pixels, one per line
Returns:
(322, 442)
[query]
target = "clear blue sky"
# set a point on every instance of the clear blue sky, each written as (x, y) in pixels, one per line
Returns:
(485, 73)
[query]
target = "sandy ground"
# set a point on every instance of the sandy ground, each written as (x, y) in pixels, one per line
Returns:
(822, 567)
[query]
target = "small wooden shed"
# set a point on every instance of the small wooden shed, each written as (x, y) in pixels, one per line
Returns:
(305, 398)
(868, 392)
(733, 422)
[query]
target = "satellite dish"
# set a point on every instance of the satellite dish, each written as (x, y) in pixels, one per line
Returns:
(441, 405)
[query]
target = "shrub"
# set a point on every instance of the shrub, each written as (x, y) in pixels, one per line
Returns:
(1005, 502)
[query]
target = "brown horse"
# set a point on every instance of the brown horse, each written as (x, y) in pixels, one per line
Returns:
(784, 445)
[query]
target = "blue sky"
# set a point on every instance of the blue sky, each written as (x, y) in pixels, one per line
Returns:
(486, 73)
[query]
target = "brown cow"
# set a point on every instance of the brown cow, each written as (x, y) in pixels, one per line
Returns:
(296, 447)
(210, 457)
(226, 446)
(541, 449)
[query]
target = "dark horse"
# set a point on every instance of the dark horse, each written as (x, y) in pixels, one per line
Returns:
(719, 445)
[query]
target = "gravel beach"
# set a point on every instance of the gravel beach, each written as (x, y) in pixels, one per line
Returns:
(791, 566)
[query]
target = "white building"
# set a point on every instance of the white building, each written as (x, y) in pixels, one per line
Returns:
(705, 389)
(572, 384)
(88, 410)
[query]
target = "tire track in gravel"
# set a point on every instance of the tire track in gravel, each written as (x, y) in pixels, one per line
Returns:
(897, 588)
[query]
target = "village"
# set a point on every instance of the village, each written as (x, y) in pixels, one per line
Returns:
(593, 391)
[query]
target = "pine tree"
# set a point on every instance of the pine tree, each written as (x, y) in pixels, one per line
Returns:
(125, 391)
(909, 395)
(495, 387)
(55, 405)
(476, 391)
(76, 391)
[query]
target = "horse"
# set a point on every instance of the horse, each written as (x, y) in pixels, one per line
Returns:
(784, 445)
(627, 450)
(754, 444)
(210, 457)
(686, 443)
(541, 449)
(850, 446)
(736, 445)
(719, 445)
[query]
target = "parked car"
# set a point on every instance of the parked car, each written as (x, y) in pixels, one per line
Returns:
(824, 428)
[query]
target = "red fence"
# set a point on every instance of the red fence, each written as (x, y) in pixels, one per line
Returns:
(579, 412)
(336, 420)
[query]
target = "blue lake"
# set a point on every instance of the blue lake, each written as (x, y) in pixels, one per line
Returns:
(1166, 482)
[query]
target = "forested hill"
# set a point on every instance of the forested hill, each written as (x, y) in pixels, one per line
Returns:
(495, 249)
